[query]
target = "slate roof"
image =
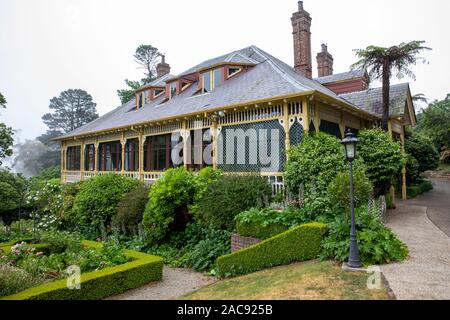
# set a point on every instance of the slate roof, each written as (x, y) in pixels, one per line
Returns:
(159, 82)
(353, 74)
(268, 78)
(371, 100)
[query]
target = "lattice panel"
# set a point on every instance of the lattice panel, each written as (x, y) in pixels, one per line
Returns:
(262, 113)
(262, 149)
(198, 123)
(296, 133)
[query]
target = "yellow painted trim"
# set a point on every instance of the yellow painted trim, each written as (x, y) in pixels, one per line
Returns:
(215, 149)
(287, 138)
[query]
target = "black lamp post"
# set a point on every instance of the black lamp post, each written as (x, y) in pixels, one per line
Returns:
(350, 142)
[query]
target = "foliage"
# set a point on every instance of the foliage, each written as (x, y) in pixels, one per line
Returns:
(6, 141)
(12, 193)
(230, 195)
(413, 190)
(381, 63)
(204, 178)
(377, 244)
(72, 109)
(423, 150)
(128, 94)
(434, 122)
(313, 164)
(260, 223)
(339, 188)
(60, 241)
(2, 101)
(146, 57)
(32, 157)
(298, 244)
(131, 209)
(13, 280)
(167, 208)
(101, 283)
(97, 200)
(382, 157)
(412, 169)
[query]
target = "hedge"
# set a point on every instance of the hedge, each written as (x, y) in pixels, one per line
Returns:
(256, 230)
(298, 244)
(102, 283)
(416, 189)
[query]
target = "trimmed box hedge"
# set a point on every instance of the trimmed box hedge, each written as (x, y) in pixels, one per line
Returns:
(298, 244)
(102, 283)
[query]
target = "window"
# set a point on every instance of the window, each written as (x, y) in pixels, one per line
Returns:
(157, 153)
(173, 89)
(110, 156)
(207, 86)
(198, 146)
(158, 92)
(89, 157)
(232, 71)
(217, 77)
(132, 155)
(185, 85)
(148, 95)
(140, 98)
(212, 79)
(73, 158)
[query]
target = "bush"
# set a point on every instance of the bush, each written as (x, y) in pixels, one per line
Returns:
(230, 195)
(412, 169)
(96, 202)
(131, 209)
(59, 241)
(339, 188)
(298, 244)
(382, 157)
(167, 209)
(261, 224)
(413, 190)
(423, 150)
(204, 178)
(13, 280)
(377, 244)
(313, 164)
(102, 283)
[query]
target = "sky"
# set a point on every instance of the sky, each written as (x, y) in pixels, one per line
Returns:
(48, 46)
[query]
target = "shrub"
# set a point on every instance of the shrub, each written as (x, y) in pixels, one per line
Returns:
(262, 224)
(339, 188)
(298, 244)
(377, 244)
(413, 190)
(13, 280)
(412, 169)
(382, 157)
(204, 178)
(131, 209)
(96, 202)
(60, 241)
(422, 149)
(230, 195)
(313, 164)
(167, 209)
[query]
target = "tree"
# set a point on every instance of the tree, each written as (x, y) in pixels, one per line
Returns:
(422, 149)
(33, 157)
(6, 135)
(146, 56)
(72, 109)
(12, 190)
(381, 63)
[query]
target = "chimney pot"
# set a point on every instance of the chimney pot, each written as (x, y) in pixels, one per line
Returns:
(300, 6)
(162, 68)
(324, 47)
(324, 62)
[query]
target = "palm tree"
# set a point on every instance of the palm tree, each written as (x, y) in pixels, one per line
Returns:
(381, 63)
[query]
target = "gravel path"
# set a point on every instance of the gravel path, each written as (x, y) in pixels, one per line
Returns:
(175, 283)
(426, 274)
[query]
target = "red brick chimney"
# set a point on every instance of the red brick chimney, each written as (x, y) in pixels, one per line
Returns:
(162, 68)
(301, 25)
(324, 62)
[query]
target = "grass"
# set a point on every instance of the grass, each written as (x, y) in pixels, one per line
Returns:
(311, 280)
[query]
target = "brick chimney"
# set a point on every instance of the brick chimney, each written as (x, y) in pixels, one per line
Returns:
(301, 25)
(324, 62)
(162, 68)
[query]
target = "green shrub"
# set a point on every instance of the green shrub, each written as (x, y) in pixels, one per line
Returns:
(412, 169)
(131, 209)
(423, 150)
(204, 178)
(413, 190)
(230, 195)
(261, 224)
(96, 202)
(167, 208)
(102, 283)
(313, 164)
(377, 244)
(13, 280)
(339, 188)
(60, 241)
(382, 157)
(298, 244)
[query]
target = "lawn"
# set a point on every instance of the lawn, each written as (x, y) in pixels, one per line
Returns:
(312, 280)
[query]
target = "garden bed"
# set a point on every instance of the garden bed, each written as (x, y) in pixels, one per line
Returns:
(139, 269)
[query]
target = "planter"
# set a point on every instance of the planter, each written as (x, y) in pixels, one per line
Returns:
(239, 242)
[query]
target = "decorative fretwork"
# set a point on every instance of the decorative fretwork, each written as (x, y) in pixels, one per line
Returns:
(250, 115)
(198, 123)
(248, 153)
(295, 108)
(163, 128)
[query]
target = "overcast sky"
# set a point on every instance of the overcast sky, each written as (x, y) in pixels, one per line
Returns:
(47, 46)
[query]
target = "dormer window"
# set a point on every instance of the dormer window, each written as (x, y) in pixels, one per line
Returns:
(173, 89)
(233, 71)
(141, 100)
(212, 79)
(157, 93)
(206, 80)
(185, 85)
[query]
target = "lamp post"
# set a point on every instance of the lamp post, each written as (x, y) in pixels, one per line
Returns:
(350, 142)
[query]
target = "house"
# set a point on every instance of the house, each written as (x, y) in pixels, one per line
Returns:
(238, 112)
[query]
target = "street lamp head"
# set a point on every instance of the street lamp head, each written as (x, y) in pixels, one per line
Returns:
(350, 142)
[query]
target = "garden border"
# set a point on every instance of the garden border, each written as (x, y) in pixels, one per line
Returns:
(98, 284)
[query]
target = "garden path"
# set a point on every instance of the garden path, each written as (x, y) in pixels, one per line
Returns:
(426, 274)
(176, 282)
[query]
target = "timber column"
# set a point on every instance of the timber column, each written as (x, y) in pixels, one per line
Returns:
(123, 143)
(186, 134)
(63, 169)
(404, 193)
(287, 136)
(214, 142)
(141, 155)
(82, 160)
(305, 109)
(96, 144)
